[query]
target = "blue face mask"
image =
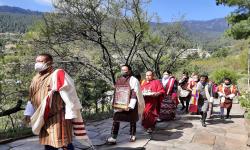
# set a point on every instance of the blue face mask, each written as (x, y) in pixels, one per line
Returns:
(203, 83)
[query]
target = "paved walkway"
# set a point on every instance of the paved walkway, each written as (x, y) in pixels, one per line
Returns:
(185, 133)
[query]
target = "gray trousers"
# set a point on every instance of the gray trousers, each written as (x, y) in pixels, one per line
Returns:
(203, 105)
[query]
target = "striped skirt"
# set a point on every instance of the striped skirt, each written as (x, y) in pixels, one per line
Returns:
(168, 109)
(57, 131)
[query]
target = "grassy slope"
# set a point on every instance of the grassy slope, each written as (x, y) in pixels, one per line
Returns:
(236, 61)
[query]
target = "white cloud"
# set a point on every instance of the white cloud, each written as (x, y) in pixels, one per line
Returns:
(46, 2)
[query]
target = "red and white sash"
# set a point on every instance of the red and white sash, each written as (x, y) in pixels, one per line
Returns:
(170, 85)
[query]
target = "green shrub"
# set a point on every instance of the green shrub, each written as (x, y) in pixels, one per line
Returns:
(220, 74)
(245, 100)
(221, 52)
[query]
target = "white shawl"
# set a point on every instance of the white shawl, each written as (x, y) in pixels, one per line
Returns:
(70, 98)
(135, 85)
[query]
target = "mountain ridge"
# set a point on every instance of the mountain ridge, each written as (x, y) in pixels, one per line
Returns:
(200, 29)
(18, 10)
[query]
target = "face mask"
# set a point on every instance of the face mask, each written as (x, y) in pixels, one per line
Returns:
(39, 66)
(124, 74)
(195, 80)
(203, 82)
(227, 83)
(165, 77)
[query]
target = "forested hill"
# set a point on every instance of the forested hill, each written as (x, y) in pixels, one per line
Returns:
(206, 30)
(203, 30)
(17, 10)
(14, 19)
(214, 25)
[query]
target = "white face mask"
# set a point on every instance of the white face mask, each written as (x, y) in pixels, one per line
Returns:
(195, 79)
(165, 77)
(39, 66)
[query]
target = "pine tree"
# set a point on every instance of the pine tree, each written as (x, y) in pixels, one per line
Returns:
(238, 19)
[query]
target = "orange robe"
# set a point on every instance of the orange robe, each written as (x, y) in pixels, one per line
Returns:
(227, 90)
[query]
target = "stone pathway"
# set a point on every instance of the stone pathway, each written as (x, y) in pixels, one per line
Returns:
(185, 133)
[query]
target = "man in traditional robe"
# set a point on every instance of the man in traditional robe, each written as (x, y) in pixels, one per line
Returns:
(135, 107)
(205, 91)
(213, 94)
(54, 108)
(153, 92)
(227, 92)
(170, 102)
(184, 92)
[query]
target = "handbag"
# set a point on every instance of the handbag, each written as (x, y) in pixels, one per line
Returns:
(184, 93)
(211, 100)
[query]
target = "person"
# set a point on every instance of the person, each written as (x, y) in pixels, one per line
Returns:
(137, 75)
(192, 81)
(136, 105)
(193, 104)
(213, 95)
(170, 102)
(153, 92)
(54, 107)
(184, 92)
(227, 92)
(205, 93)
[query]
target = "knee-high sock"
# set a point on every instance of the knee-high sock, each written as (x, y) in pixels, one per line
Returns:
(115, 129)
(201, 113)
(204, 116)
(187, 103)
(132, 128)
(222, 111)
(228, 112)
(210, 107)
(182, 102)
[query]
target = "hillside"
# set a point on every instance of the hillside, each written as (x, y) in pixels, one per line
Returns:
(205, 31)
(215, 25)
(18, 20)
(17, 10)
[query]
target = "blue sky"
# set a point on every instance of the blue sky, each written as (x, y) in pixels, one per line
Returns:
(167, 10)
(40, 5)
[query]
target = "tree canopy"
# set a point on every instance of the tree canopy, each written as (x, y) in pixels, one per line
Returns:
(238, 19)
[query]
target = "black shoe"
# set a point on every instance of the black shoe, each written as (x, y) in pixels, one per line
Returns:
(149, 130)
(203, 124)
(228, 117)
(222, 117)
(183, 107)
